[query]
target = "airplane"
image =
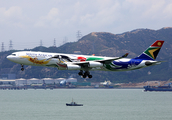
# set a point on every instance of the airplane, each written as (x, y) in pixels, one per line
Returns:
(86, 63)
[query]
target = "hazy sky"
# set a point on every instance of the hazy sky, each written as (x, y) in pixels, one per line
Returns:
(27, 22)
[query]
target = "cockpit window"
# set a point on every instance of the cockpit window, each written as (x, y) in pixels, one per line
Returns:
(13, 54)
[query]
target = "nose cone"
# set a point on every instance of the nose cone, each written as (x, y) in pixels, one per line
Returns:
(10, 57)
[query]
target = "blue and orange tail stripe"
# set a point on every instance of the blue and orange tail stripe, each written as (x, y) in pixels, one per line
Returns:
(152, 52)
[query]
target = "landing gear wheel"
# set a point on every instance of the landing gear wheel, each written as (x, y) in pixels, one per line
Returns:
(80, 73)
(87, 73)
(84, 76)
(90, 76)
(22, 69)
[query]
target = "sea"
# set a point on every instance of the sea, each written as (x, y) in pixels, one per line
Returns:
(98, 104)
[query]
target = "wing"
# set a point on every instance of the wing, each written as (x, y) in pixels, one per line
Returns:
(98, 63)
(110, 60)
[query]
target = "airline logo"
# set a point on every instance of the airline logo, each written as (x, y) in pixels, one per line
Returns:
(81, 59)
(158, 43)
(154, 49)
(35, 60)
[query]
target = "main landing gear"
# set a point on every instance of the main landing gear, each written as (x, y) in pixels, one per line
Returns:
(22, 67)
(84, 75)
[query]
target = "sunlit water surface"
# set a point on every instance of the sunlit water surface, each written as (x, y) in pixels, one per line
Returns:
(99, 104)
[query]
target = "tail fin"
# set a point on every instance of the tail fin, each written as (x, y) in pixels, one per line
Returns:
(151, 52)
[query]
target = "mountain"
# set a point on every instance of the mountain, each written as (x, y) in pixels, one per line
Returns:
(105, 44)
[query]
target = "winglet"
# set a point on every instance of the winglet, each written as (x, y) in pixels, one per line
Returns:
(126, 54)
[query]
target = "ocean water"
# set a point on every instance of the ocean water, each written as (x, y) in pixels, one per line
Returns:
(99, 104)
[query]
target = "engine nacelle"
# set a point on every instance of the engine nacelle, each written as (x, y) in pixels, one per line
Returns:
(95, 64)
(73, 67)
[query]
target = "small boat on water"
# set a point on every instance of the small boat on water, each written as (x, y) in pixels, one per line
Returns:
(73, 104)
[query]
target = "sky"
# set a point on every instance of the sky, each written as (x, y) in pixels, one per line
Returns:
(28, 22)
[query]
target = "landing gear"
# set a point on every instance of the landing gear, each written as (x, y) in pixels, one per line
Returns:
(80, 73)
(84, 75)
(22, 67)
(90, 76)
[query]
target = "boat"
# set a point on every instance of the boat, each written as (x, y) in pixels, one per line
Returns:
(73, 104)
(167, 87)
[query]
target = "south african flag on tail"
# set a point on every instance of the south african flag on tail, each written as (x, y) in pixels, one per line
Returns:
(152, 52)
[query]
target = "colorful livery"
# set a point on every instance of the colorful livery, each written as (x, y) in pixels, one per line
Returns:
(86, 63)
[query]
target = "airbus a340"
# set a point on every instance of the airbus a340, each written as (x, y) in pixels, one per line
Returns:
(85, 63)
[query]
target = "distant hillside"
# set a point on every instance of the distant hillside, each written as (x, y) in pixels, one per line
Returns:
(105, 44)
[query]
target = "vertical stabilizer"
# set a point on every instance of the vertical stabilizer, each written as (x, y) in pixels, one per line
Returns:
(151, 52)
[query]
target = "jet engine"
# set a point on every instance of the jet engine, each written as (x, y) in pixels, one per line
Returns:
(73, 67)
(95, 64)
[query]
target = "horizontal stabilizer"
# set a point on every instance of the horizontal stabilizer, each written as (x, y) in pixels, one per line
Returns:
(153, 63)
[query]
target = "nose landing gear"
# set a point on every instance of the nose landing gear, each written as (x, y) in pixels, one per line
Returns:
(22, 67)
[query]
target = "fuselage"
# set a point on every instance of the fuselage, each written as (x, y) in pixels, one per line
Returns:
(60, 60)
